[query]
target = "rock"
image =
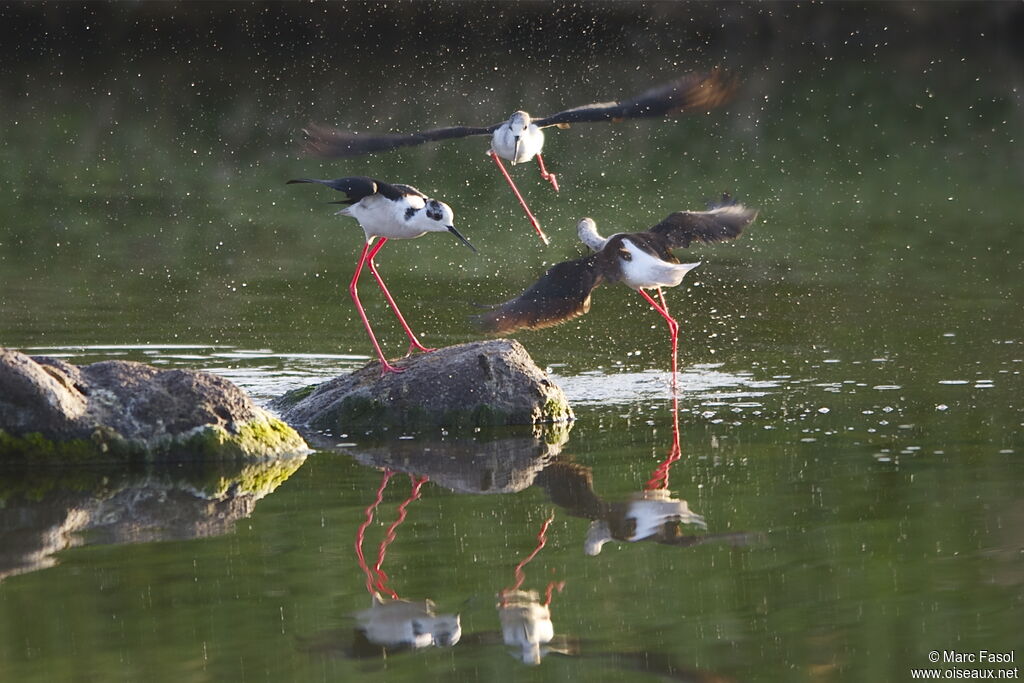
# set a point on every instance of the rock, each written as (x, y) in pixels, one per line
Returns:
(52, 410)
(478, 384)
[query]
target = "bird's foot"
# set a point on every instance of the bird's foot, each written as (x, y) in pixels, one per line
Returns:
(540, 233)
(386, 367)
(416, 346)
(550, 177)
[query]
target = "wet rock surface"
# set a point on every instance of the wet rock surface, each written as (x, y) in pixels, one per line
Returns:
(480, 384)
(50, 409)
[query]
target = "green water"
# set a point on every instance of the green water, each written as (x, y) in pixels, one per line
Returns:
(850, 392)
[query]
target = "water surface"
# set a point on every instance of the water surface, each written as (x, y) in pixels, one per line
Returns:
(849, 409)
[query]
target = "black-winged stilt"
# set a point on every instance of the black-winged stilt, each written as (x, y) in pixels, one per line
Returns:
(388, 211)
(521, 137)
(391, 622)
(639, 260)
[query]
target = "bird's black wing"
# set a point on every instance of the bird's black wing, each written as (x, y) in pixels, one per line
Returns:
(358, 187)
(324, 141)
(355, 187)
(682, 228)
(693, 91)
(395, 191)
(562, 293)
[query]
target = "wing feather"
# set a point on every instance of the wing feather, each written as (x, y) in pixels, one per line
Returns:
(325, 141)
(355, 187)
(562, 293)
(692, 91)
(682, 228)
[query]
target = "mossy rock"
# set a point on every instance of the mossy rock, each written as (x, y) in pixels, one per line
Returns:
(55, 412)
(481, 384)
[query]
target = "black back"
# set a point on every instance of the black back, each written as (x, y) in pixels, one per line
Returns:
(357, 188)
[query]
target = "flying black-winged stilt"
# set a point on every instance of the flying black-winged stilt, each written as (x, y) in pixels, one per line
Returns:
(388, 211)
(639, 260)
(521, 137)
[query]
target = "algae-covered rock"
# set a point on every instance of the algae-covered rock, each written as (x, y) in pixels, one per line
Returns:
(51, 410)
(479, 384)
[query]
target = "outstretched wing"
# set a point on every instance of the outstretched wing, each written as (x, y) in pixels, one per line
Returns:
(562, 293)
(682, 228)
(358, 187)
(324, 141)
(693, 91)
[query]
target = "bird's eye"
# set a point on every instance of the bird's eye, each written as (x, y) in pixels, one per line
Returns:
(626, 256)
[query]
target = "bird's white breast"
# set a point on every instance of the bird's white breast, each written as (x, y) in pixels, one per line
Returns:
(531, 142)
(645, 270)
(382, 217)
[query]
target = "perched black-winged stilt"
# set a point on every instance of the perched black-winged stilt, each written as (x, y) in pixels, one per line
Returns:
(640, 260)
(521, 137)
(388, 211)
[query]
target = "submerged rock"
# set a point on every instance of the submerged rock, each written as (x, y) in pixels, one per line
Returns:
(52, 410)
(469, 465)
(478, 384)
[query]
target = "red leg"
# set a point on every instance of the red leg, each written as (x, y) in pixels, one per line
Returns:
(522, 202)
(659, 479)
(673, 327)
(353, 290)
(414, 343)
(550, 177)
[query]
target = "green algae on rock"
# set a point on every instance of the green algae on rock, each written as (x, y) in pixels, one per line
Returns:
(480, 384)
(52, 411)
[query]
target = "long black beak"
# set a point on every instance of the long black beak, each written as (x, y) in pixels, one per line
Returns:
(515, 151)
(452, 230)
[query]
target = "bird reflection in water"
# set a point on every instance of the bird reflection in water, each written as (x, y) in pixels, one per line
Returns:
(650, 515)
(526, 621)
(391, 622)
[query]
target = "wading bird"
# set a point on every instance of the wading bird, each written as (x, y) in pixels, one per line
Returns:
(389, 212)
(639, 260)
(521, 137)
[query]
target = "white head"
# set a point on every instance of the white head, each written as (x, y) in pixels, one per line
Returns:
(587, 231)
(437, 217)
(519, 124)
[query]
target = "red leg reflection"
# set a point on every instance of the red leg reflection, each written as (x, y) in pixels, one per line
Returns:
(659, 478)
(389, 536)
(361, 532)
(519, 573)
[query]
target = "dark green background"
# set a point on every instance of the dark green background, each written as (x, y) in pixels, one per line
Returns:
(143, 155)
